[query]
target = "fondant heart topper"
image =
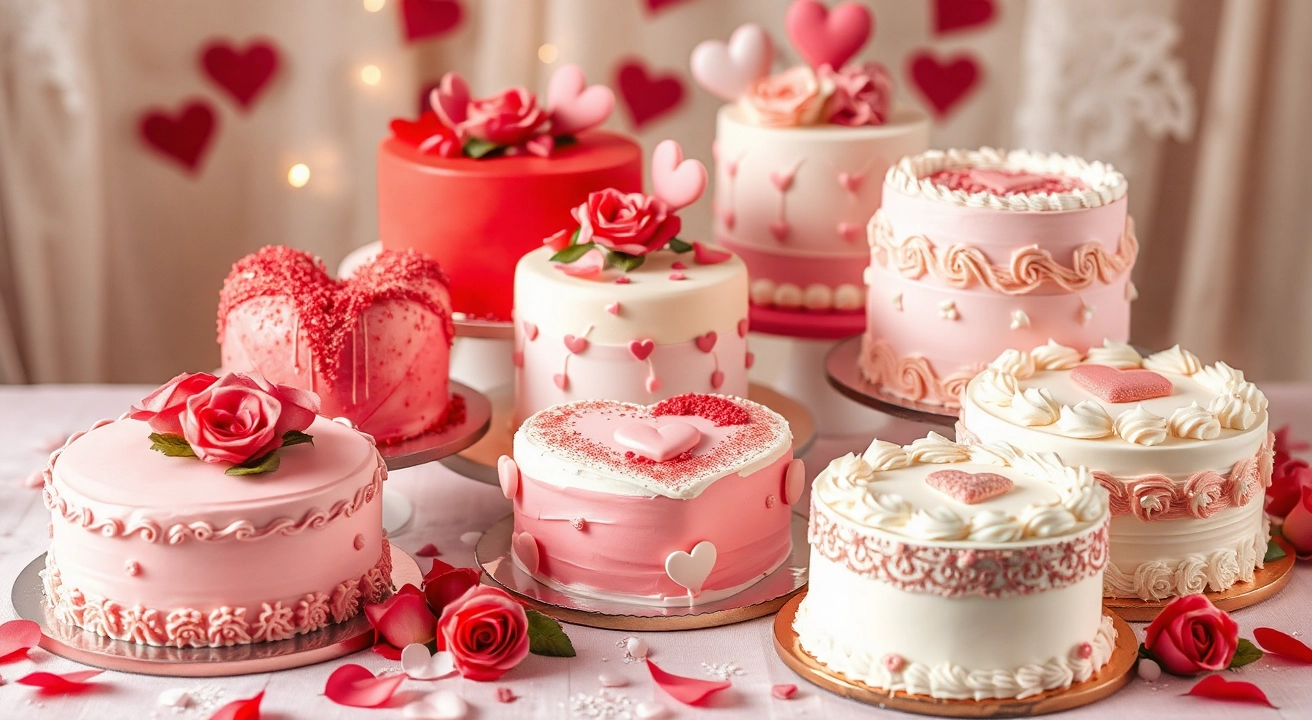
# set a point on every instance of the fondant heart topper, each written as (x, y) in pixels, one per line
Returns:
(727, 70)
(1117, 386)
(828, 37)
(658, 443)
(967, 487)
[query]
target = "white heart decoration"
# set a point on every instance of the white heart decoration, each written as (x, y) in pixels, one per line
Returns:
(690, 570)
(441, 705)
(419, 664)
(677, 181)
(794, 481)
(658, 444)
(727, 70)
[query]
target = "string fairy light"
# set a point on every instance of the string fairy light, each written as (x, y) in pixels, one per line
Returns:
(371, 75)
(548, 53)
(298, 175)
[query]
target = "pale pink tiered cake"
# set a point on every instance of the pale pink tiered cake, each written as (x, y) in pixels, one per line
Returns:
(978, 251)
(174, 551)
(684, 502)
(375, 347)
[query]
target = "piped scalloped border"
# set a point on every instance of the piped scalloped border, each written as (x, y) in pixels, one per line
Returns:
(1104, 184)
(911, 376)
(1215, 571)
(1201, 495)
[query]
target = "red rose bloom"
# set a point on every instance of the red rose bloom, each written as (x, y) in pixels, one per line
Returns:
(445, 583)
(241, 417)
(163, 408)
(1192, 636)
(510, 118)
(862, 95)
(485, 631)
(631, 223)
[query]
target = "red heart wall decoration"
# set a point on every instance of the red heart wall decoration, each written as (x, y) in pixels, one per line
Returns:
(244, 74)
(183, 136)
(648, 97)
(655, 6)
(944, 84)
(952, 15)
(427, 19)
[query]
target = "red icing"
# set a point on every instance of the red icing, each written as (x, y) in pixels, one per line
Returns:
(1005, 182)
(719, 410)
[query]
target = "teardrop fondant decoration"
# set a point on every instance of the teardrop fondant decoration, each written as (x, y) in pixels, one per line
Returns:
(779, 229)
(526, 549)
(782, 179)
(508, 476)
(717, 379)
(560, 380)
(794, 481)
(849, 231)
(653, 384)
(851, 182)
(530, 331)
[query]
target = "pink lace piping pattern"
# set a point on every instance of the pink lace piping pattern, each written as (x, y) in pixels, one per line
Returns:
(1031, 267)
(151, 531)
(1203, 494)
(911, 377)
(222, 626)
(955, 572)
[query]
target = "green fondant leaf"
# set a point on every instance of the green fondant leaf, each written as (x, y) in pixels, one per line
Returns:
(263, 464)
(296, 437)
(1273, 552)
(171, 445)
(624, 261)
(476, 148)
(545, 636)
(572, 253)
(680, 246)
(1245, 653)
(574, 237)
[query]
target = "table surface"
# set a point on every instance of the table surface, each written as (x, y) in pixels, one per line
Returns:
(448, 507)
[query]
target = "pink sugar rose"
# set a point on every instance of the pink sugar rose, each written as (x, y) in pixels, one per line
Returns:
(241, 417)
(403, 618)
(485, 631)
(163, 408)
(445, 583)
(512, 117)
(631, 223)
(862, 94)
(1297, 527)
(1192, 636)
(791, 98)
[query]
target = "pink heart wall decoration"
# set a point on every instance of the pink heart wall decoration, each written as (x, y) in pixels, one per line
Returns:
(828, 37)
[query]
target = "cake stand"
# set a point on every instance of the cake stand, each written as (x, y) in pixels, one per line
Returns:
(479, 462)
(759, 600)
(1112, 677)
(844, 376)
(397, 508)
(88, 648)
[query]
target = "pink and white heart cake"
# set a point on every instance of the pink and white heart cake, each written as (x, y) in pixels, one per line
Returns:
(1182, 447)
(375, 346)
(683, 502)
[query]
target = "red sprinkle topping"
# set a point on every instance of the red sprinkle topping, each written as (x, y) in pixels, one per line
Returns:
(719, 410)
(1020, 182)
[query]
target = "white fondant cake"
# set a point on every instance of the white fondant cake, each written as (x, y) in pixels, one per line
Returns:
(1182, 448)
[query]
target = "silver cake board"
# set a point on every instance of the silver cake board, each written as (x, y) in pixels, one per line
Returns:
(845, 377)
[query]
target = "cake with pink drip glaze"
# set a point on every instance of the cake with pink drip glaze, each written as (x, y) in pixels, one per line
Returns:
(674, 504)
(978, 251)
(375, 347)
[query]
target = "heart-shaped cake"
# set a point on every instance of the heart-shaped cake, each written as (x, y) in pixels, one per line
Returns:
(375, 346)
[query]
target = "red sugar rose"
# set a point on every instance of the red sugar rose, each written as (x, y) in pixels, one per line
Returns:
(1192, 636)
(240, 417)
(631, 223)
(485, 631)
(163, 408)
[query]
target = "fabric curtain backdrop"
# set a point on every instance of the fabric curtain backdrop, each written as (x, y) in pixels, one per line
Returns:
(112, 252)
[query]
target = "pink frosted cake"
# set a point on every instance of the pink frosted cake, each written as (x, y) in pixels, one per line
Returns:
(374, 346)
(683, 502)
(151, 545)
(975, 252)
(799, 155)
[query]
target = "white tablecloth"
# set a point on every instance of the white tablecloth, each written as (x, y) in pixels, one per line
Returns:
(449, 506)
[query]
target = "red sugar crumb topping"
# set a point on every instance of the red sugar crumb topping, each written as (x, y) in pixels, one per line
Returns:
(1005, 182)
(328, 310)
(719, 410)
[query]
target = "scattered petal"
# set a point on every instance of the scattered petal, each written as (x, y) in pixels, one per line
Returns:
(650, 711)
(248, 709)
(35, 480)
(420, 664)
(1278, 643)
(386, 650)
(689, 691)
(441, 705)
(355, 686)
(506, 695)
(612, 680)
(592, 263)
(636, 647)
(783, 692)
(1149, 670)
(16, 638)
(52, 684)
(471, 538)
(429, 550)
(176, 698)
(1216, 687)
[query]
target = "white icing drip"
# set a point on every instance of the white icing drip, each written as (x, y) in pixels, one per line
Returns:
(1086, 419)
(1114, 354)
(1175, 360)
(1219, 377)
(1054, 356)
(1015, 362)
(1103, 184)
(996, 386)
(938, 523)
(886, 455)
(995, 526)
(1194, 422)
(1141, 427)
(1034, 407)
(935, 448)
(1046, 521)
(885, 510)
(1215, 571)
(1233, 411)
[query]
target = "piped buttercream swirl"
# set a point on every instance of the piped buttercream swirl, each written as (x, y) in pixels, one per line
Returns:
(1015, 362)
(1086, 419)
(936, 449)
(938, 523)
(1218, 377)
(1044, 521)
(1034, 407)
(1114, 354)
(995, 526)
(1055, 356)
(883, 455)
(1194, 422)
(1175, 360)
(885, 510)
(1141, 427)
(1233, 411)
(996, 387)
(851, 472)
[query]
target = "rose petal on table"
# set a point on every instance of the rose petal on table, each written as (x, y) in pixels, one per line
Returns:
(1215, 687)
(1286, 646)
(355, 686)
(386, 651)
(35, 480)
(689, 691)
(16, 638)
(506, 695)
(441, 705)
(783, 692)
(429, 550)
(53, 684)
(248, 709)
(420, 664)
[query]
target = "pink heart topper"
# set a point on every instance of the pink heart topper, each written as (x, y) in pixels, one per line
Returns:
(658, 443)
(969, 488)
(574, 105)
(1121, 386)
(508, 476)
(727, 70)
(828, 37)
(676, 181)
(526, 549)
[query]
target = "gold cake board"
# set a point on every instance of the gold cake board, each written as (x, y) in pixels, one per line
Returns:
(1267, 581)
(1112, 677)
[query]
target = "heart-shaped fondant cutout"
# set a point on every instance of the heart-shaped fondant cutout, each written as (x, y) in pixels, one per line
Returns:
(677, 181)
(727, 70)
(827, 37)
(576, 344)
(742, 328)
(560, 380)
(641, 349)
(1114, 385)
(424, 19)
(851, 182)
(782, 179)
(657, 443)
(850, 232)
(647, 96)
(952, 15)
(690, 570)
(967, 487)
(508, 475)
(574, 106)
(706, 343)
(530, 331)
(944, 84)
(525, 547)
(794, 481)
(184, 136)
(613, 308)
(717, 379)
(242, 73)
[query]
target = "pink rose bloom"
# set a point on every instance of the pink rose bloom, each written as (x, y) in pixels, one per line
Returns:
(1192, 636)
(163, 408)
(240, 417)
(862, 94)
(1297, 527)
(793, 97)
(445, 583)
(510, 118)
(403, 618)
(631, 223)
(485, 631)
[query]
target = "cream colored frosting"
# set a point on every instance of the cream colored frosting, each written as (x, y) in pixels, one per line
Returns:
(883, 455)
(1114, 354)
(1034, 406)
(1194, 422)
(1103, 184)
(1086, 419)
(1140, 427)
(1053, 356)
(1175, 360)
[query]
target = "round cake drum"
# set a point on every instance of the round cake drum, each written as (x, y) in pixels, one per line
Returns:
(763, 598)
(88, 648)
(1112, 677)
(843, 375)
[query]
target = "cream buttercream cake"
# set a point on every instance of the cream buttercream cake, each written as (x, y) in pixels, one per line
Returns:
(679, 503)
(1182, 447)
(957, 572)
